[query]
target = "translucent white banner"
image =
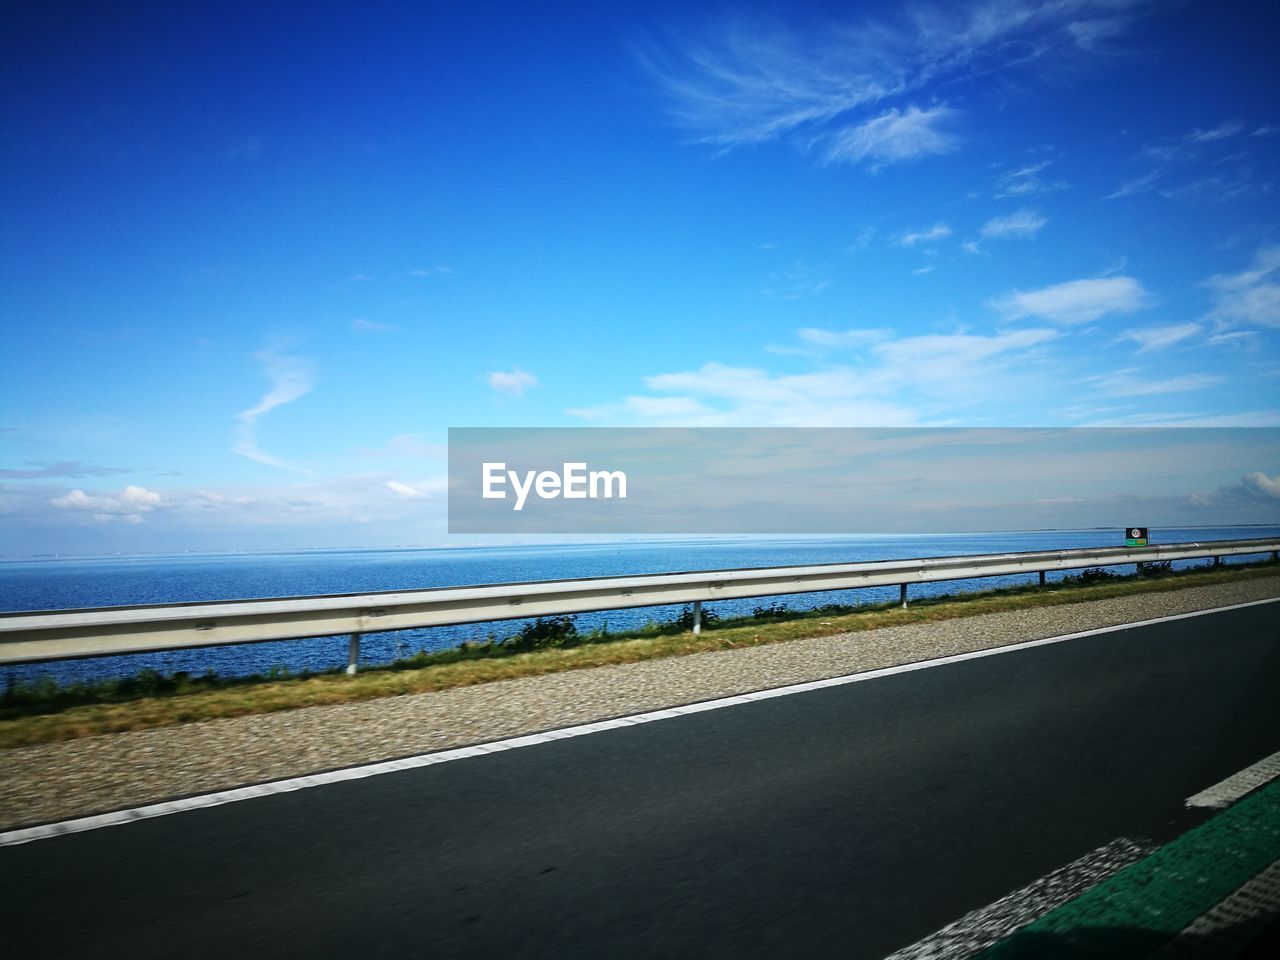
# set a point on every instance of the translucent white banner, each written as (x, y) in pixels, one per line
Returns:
(828, 480)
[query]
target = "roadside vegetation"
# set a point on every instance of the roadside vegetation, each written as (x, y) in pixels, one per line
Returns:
(45, 711)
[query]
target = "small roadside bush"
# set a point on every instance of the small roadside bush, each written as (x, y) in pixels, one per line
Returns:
(771, 611)
(685, 620)
(1092, 575)
(1155, 568)
(544, 632)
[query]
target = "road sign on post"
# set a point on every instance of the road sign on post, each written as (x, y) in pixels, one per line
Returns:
(1135, 537)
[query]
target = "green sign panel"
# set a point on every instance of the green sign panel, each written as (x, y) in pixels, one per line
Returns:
(1135, 537)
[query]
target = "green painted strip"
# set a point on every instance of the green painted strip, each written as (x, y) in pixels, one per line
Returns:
(1145, 904)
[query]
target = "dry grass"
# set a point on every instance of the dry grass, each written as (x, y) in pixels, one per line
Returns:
(287, 694)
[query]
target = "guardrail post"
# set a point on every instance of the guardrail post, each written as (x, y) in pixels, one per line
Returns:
(1041, 579)
(1275, 556)
(1217, 561)
(697, 616)
(353, 654)
(902, 595)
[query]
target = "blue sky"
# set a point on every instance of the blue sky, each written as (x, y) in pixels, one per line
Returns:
(256, 261)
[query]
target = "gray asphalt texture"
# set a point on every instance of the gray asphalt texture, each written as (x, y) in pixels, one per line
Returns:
(845, 822)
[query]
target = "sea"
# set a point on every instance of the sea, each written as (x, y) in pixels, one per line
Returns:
(77, 583)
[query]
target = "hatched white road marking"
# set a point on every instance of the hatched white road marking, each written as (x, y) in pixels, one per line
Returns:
(1237, 785)
(976, 931)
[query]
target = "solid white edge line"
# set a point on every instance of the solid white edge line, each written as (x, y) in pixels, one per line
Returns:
(1228, 791)
(202, 801)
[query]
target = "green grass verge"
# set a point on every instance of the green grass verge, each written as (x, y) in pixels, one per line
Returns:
(1144, 905)
(46, 712)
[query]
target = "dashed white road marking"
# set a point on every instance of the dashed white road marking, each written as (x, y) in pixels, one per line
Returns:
(976, 931)
(203, 801)
(1237, 785)
(1227, 928)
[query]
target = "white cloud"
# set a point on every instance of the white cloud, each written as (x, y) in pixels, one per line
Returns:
(1076, 301)
(1251, 296)
(361, 325)
(420, 490)
(1176, 157)
(513, 383)
(749, 81)
(1159, 337)
(1023, 223)
(1137, 185)
(937, 369)
(1264, 484)
(128, 505)
(1249, 418)
(939, 231)
(1132, 383)
(291, 379)
(1228, 128)
(796, 280)
(843, 339)
(438, 270)
(894, 136)
(1253, 488)
(1235, 339)
(942, 359)
(1027, 181)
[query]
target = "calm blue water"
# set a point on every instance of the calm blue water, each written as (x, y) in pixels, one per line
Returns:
(64, 584)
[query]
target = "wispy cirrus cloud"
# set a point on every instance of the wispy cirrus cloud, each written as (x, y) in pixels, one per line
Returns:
(832, 91)
(1228, 128)
(939, 231)
(1076, 301)
(70, 469)
(1133, 382)
(1213, 165)
(896, 382)
(1021, 223)
(843, 339)
(796, 280)
(1251, 296)
(513, 382)
(419, 490)
(1142, 184)
(1028, 180)
(1161, 336)
(894, 136)
(291, 378)
(362, 325)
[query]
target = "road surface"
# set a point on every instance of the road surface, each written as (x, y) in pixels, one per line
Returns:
(848, 821)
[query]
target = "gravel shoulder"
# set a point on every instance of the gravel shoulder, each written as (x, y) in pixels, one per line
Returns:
(75, 778)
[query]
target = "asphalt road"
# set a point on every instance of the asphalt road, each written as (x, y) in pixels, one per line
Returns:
(847, 821)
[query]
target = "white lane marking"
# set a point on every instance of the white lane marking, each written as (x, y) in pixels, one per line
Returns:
(1238, 784)
(976, 931)
(114, 818)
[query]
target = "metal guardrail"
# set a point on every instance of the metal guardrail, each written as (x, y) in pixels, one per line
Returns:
(63, 634)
